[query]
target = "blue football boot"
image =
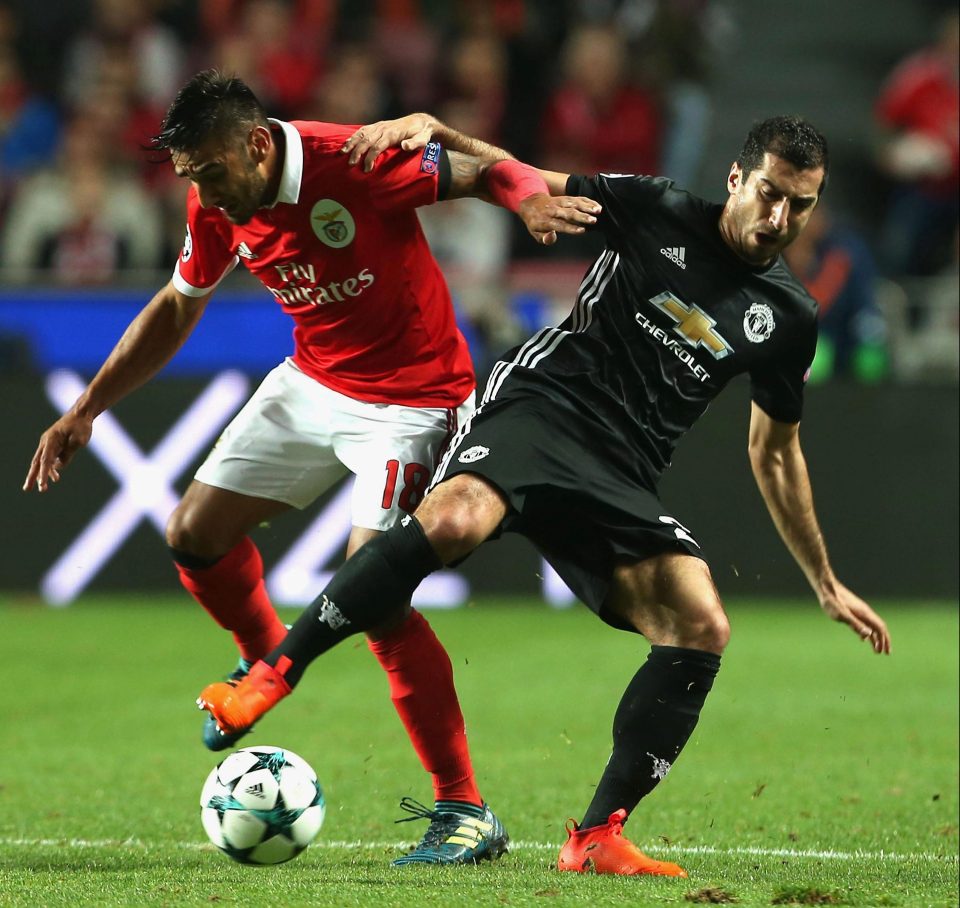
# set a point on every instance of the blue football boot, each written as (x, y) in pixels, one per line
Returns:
(457, 834)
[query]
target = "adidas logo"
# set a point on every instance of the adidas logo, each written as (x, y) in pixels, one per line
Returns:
(676, 254)
(469, 833)
(243, 250)
(256, 790)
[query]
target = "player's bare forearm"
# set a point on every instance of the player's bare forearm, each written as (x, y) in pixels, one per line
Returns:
(453, 140)
(416, 130)
(468, 178)
(146, 346)
(480, 170)
(556, 182)
(520, 188)
(410, 133)
(780, 470)
(783, 480)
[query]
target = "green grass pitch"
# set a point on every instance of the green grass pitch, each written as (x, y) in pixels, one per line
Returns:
(819, 774)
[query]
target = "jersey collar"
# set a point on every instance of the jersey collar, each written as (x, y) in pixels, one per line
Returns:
(290, 179)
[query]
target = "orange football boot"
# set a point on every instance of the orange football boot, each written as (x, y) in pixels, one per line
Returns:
(236, 705)
(603, 849)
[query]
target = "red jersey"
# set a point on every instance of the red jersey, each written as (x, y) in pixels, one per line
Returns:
(921, 95)
(342, 251)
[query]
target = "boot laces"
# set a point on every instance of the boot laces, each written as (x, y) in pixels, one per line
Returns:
(442, 823)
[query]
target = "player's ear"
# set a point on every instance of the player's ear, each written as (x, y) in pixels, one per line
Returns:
(260, 141)
(734, 178)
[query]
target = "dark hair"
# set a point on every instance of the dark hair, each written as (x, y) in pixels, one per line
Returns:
(790, 138)
(209, 104)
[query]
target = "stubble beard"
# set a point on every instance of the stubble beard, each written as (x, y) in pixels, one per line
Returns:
(257, 184)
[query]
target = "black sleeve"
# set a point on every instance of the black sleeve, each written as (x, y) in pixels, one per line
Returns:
(444, 175)
(575, 185)
(777, 387)
(625, 198)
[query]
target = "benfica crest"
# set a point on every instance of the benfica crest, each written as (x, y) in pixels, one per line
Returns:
(332, 223)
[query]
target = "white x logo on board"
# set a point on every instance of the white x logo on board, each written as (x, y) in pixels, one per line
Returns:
(146, 481)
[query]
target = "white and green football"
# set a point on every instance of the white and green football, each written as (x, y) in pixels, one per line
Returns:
(262, 805)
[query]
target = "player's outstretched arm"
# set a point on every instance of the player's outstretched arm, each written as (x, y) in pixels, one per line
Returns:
(525, 191)
(416, 130)
(146, 346)
(410, 133)
(481, 170)
(781, 473)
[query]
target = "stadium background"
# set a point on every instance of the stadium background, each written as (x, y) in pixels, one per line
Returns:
(90, 229)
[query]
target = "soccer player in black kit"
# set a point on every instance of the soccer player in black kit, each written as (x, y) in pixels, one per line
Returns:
(576, 427)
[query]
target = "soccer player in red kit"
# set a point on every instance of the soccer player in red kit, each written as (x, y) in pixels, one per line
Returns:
(379, 379)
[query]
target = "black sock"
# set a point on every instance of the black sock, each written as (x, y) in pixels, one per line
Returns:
(375, 583)
(656, 716)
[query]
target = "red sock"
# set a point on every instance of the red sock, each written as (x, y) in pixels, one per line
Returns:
(234, 594)
(421, 687)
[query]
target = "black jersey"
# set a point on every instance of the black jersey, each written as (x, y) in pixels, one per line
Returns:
(664, 318)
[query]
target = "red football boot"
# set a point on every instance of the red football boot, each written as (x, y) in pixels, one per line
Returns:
(236, 705)
(603, 849)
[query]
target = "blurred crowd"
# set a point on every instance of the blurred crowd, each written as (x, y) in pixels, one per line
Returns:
(576, 85)
(582, 86)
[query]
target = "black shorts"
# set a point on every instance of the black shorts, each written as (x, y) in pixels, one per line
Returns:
(575, 492)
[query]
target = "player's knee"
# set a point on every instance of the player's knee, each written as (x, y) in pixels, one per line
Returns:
(185, 533)
(720, 633)
(710, 630)
(453, 533)
(176, 531)
(459, 515)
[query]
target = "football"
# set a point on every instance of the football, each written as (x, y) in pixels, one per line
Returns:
(262, 805)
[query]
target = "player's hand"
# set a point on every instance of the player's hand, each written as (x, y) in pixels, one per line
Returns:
(369, 142)
(547, 216)
(56, 449)
(845, 606)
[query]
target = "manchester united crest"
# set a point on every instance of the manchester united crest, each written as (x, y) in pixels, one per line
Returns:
(758, 323)
(332, 223)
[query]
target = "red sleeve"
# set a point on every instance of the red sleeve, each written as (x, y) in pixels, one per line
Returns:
(205, 258)
(402, 179)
